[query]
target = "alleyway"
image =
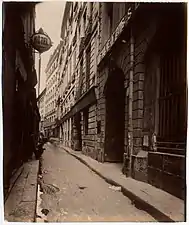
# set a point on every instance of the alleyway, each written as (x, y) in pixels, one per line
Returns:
(81, 195)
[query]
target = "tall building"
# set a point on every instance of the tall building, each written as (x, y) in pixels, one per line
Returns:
(123, 71)
(51, 92)
(20, 112)
(142, 75)
(41, 106)
(78, 74)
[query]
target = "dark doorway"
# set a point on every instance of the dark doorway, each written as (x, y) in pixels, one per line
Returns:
(77, 138)
(114, 133)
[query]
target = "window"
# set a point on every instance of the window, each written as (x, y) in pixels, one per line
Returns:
(79, 31)
(88, 62)
(92, 5)
(98, 127)
(75, 6)
(84, 19)
(85, 120)
(110, 14)
(81, 67)
(70, 67)
(74, 59)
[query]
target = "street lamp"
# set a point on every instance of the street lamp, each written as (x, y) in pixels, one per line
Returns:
(41, 42)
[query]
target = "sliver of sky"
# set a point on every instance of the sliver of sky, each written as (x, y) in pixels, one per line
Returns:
(49, 15)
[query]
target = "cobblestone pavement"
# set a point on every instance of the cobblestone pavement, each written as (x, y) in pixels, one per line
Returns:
(72, 192)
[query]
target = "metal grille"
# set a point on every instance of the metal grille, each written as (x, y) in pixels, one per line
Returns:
(172, 104)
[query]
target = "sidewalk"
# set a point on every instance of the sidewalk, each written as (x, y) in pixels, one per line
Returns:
(160, 204)
(21, 203)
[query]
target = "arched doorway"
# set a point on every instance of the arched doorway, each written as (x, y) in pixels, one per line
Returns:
(114, 126)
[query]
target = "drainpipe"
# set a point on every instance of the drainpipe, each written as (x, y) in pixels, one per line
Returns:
(130, 133)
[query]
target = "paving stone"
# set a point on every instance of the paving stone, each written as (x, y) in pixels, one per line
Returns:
(169, 205)
(83, 195)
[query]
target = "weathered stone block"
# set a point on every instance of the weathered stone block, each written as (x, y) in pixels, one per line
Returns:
(138, 114)
(174, 165)
(138, 76)
(138, 133)
(137, 141)
(138, 104)
(137, 123)
(139, 67)
(91, 131)
(140, 166)
(136, 149)
(91, 125)
(138, 95)
(174, 185)
(155, 177)
(138, 85)
(155, 160)
(92, 119)
(89, 137)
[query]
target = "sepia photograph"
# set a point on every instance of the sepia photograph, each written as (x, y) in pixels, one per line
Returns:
(95, 110)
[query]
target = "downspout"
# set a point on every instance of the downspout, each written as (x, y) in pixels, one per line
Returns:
(130, 133)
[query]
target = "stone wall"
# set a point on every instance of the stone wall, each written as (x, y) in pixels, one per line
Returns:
(142, 39)
(161, 170)
(167, 171)
(89, 139)
(102, 76)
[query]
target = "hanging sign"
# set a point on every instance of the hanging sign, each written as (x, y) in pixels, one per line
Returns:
(41, 41)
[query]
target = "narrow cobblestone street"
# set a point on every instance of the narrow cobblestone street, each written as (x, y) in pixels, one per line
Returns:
(80, 194)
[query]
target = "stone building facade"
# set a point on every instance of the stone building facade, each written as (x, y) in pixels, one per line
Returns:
(51, 92)
(20, 112)
(123, 109)
(141, 76)
(78, 75)
(41, 106)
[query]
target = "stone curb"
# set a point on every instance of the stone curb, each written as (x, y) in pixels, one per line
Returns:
(13, 180)
(139, 203)
(36, 193)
